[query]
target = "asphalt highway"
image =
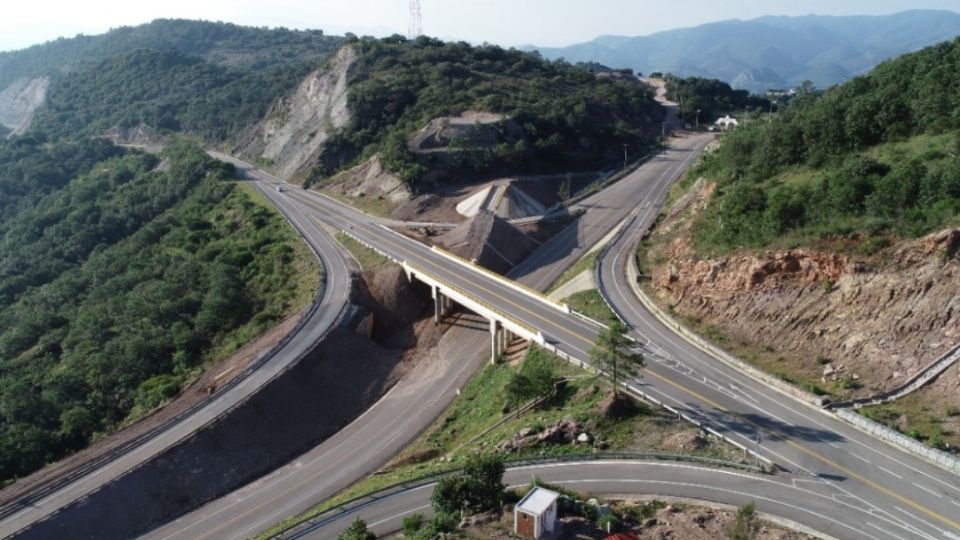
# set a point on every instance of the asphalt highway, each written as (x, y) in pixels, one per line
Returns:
(915, 499)
(907, 497)
(335, 296)
(788, 498)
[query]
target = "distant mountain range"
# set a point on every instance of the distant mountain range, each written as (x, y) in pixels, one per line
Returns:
(771, 52)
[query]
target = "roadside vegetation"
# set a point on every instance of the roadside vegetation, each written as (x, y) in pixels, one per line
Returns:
(486, 416)
(567, 117)
(119, 282)
(713, 98)
(866, 163)
(591, 304)
(369, 260)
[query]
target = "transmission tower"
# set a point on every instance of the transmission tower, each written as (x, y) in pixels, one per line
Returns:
(416, 20)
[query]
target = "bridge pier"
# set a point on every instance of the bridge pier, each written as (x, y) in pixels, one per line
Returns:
(496, 339)
(441, 304)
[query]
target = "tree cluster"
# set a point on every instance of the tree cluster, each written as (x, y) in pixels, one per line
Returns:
(852, 148)
(569, 117)
(711, 97)
(117, 284)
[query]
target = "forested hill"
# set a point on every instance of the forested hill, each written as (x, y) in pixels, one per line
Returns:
(563, 117)
(209, 79)
(122, 275)
(872, 160)
(219, 43)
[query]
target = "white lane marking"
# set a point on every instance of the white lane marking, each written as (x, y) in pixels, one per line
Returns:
(395, 516)
(885, 531)
(888, 471)
(863, 459)
(834, 445)
(928, 490)
(955, 503)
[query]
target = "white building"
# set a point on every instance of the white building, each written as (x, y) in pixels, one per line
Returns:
(536, 514)
(726, 122)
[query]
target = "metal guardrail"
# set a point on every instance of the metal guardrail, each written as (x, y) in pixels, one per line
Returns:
(307, 525)
(92, 465)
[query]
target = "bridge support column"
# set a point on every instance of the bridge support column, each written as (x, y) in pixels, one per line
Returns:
(438, 311)
(496, 338)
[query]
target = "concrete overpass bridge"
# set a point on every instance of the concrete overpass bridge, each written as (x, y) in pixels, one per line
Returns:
(514, 311)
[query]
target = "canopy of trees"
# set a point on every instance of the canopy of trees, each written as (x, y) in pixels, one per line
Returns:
(711, 97)
(166, 90)
(118, 283)
(221, 43)
(879, 155)
(570, 118)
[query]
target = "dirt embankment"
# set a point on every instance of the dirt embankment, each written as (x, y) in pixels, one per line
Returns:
(19, 101)
(867, 321)
(314, 399)
(295, 129)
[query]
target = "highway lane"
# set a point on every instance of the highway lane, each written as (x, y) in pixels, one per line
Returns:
(790, 435)
(605, 210)
(361, 447)
(334, 298)
(383, 431)
(846, 478)
(919, 499)
(783, 496)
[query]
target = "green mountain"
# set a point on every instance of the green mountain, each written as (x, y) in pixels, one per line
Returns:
(218, 43)
(210, 79)
(557, 116)
(772, 52)
(872, 160)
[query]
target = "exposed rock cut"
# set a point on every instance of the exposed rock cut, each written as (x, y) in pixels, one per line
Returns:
(882, 318)
(474, 128)
(295, 129)
(489, 241)
(19, 101)
(370, 179)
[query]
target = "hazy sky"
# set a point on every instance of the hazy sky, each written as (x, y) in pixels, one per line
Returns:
(505, 22)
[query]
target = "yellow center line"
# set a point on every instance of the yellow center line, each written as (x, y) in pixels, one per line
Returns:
(721, 408)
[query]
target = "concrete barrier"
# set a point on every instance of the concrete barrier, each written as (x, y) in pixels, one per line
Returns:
(937, 457)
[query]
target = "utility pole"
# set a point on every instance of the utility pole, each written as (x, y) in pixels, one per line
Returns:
(624, 155)
(698, 119)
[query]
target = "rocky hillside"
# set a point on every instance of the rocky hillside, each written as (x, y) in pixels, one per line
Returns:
(19, 101)
(848, 323)
(292, 135)
(436, 112)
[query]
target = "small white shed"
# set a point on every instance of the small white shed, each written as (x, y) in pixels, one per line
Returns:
(536, 514)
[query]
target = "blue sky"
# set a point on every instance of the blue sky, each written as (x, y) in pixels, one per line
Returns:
(505, 22)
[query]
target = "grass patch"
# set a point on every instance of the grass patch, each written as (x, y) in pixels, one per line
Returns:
(481, 405)
(587, 262)
(375, 205)
(369, 260)
(919, 416)
(591, 304)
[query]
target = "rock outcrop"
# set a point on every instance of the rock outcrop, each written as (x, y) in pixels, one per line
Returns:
(882, 318)
(19, 101)
(295, 129)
